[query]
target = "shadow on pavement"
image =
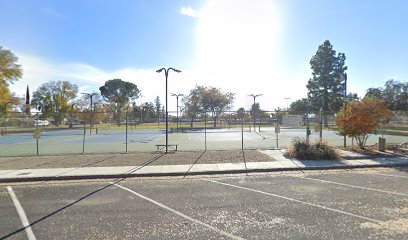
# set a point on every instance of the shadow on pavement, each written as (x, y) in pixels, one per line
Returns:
(81, 198)
(195, 162)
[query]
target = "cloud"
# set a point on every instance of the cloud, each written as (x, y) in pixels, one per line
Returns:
(37, 71)
(190, 12)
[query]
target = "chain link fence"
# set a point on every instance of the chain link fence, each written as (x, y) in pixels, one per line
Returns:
(123, 132)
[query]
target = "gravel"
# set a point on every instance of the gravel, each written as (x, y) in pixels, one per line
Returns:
(133, 159)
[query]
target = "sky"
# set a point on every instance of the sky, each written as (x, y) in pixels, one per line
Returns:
(240, 46)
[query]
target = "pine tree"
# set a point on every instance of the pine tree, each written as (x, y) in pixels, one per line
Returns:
(326, 87)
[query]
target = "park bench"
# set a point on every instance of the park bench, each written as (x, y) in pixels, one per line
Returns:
(169, 146)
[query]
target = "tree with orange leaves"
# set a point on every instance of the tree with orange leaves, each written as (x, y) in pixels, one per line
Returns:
(361, 117)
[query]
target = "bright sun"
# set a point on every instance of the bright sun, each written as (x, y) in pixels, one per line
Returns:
(237, 39)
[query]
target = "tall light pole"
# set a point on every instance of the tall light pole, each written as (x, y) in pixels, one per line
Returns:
(90, 95)
(254, 113)
(177, 97)
(287, 103)
(166, 73)
(345, 108)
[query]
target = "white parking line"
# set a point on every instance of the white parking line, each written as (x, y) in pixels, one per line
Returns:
(295, 200)
(389, 175)
(21, 214)
(179, 213)
(353, 186)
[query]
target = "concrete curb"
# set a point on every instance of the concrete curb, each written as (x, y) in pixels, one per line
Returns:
(194, 173)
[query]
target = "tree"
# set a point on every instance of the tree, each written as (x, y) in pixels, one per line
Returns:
(118, 93)
(149, 112)
(352, 96)
(158, 108)
(326, 87)
(216, 101)
(255, 110)
(202, 99)
(360, 118)
(193, 102)
(374, 93)
(394, 93)
(299, 106)
(84, 105)
(55, 98)
(12, 102)
(241, 113)
(278, 115)
(10, 71)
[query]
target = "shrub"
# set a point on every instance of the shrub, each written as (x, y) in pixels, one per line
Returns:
(301, 149)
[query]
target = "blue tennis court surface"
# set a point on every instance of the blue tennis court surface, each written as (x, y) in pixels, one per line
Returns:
(73, 141)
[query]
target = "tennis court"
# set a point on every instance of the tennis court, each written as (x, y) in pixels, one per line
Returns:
(74, 141)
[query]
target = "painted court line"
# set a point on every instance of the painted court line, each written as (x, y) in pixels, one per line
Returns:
(295, 200)
(353, 186)
(21, 214)
(179, 213)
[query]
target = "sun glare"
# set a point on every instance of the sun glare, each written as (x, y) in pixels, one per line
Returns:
(237, 36)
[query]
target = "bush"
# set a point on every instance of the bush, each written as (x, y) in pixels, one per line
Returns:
(301, 149)
(362, 117)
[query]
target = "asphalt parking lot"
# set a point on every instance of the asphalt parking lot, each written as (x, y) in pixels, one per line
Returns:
(341, 204)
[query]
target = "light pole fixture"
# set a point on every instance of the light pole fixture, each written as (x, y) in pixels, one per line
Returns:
(287, 103)
(90, 95)
(345, 109)
(254, 112)
(177, 97)
(166, 73)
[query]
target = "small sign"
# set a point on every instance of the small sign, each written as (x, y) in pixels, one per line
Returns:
(37, 134)
(277, 129)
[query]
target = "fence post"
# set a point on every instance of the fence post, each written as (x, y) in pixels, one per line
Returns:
(277, 131)
(126, 132)
(307, 126)
(83, 141)
(205, 130)
(36, 139)
(242, 133)
(321, 124)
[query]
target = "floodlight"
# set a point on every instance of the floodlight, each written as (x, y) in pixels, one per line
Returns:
(176, 70)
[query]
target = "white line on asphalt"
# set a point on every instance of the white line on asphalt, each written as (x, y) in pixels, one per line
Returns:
(295, 200)
(179, 213)
(353, 186)
(389, 175)
(21, 214)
